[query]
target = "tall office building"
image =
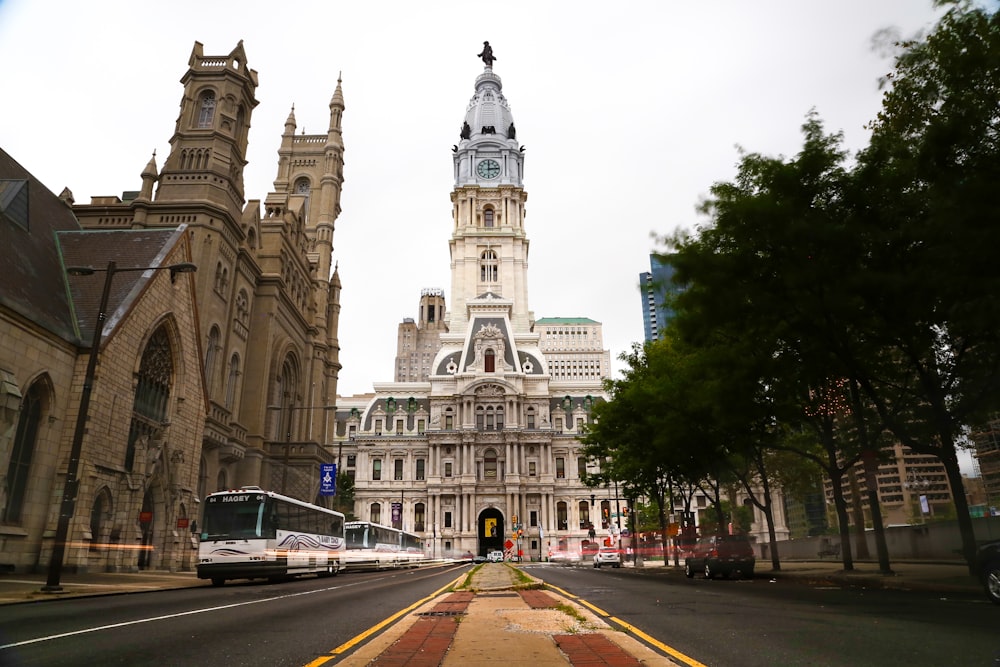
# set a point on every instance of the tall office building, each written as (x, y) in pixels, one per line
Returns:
(655, 286)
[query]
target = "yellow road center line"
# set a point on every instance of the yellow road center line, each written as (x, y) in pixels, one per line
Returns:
(323, 659)
(672, 652)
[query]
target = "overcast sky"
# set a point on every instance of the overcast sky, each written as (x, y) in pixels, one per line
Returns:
(629, 112)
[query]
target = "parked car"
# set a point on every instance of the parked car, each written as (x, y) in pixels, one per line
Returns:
(608, 556)
(720, 554)
(495, 556)
(988, 568)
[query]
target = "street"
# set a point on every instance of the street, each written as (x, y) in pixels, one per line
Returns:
(757, 623)
(719, 623)
(242, 623)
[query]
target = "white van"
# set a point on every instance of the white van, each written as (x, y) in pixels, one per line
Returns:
(495, 556)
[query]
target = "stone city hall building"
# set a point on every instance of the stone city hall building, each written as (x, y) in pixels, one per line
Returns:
(480, 430)
(204, 380)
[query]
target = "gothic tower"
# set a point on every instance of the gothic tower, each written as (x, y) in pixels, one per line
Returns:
(268, 294)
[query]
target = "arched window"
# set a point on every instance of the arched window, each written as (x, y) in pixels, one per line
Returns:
(419, 515)
(211, 350)
(376, 513)
(584, 514)
(488, 271)
(488, 217)
(19, 467)
(220, 481)
(206, 114)
(99, 515)
(152, 392)
(490, 464)
(529, 418)
(489, 361)
(231, 381)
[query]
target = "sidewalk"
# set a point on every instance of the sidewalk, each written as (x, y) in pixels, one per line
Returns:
(502, 612)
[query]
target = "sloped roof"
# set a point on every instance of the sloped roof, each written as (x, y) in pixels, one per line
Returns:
(32, 281)
(128, 248)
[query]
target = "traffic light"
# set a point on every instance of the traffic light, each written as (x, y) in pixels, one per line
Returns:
(514, 518)
(625, 511)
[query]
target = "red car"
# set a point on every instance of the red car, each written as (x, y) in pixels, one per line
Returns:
(720, 554)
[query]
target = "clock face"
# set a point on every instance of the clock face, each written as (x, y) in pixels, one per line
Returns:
(488, 169)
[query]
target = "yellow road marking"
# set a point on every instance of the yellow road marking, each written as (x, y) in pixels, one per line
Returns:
(323, 659)
(672, 652)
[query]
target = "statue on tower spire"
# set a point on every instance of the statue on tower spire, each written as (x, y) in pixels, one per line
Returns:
(487, 55)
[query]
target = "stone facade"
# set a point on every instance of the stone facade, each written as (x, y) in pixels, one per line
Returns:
(418, 341)
(267, 290)
(485, 443)
(206, 380)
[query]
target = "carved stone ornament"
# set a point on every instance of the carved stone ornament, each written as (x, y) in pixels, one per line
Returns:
(488, 331)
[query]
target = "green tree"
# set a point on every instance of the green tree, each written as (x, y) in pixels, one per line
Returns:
(344, 500)
(924, 201)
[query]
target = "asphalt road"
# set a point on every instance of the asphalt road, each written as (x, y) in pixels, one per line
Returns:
(242, 623)
(759, 623)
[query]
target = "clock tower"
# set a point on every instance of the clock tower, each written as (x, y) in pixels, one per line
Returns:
(489, 249)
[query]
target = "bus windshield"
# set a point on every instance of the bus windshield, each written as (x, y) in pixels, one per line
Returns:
(238, 517)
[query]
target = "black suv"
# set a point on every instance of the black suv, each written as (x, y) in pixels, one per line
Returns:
(720, 554)
(988, 568)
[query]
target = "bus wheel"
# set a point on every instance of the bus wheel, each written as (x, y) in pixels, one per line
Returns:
(218, 581)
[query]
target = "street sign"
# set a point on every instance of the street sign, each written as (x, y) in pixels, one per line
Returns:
(327, 479)
(508, 545)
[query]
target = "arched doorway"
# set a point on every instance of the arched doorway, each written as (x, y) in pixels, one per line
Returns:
(491, 531)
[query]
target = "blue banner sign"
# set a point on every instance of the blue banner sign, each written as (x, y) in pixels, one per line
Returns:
(327, 479)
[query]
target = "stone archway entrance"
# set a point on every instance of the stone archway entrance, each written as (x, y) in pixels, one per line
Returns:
(490, 531)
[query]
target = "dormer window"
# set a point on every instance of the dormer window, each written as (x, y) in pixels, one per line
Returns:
(489, 361)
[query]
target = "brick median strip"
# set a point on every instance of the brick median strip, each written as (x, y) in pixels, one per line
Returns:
(594, 649)
(427, 641)
(538, 599)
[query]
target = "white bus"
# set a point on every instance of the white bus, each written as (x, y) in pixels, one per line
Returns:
(372, 545)
(251, 533)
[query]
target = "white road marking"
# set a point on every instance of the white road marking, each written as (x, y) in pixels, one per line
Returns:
(112, 626)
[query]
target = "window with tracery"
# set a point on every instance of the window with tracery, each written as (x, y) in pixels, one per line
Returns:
(152, 393)
(206, 114)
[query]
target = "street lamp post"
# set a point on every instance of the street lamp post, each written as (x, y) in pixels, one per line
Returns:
(68, 504)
